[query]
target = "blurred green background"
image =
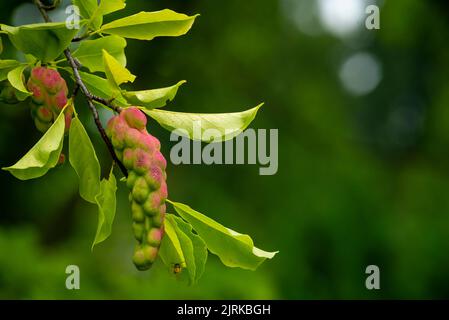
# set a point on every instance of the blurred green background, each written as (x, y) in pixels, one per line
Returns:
(363, 119)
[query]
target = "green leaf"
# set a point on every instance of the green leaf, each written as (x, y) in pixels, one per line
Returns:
(6, 66)
(44, 155)
(115, 72)
(88, 9)
(1, 45)
(148, 25)
(187, 249)
(110, 6)
(234, 249)
(46, 41)
(198, 245)
(15, 77)
(101, 88)
(84, 160)
(193, 125)
(155, 98)
(106, 201)
(170, 251)
(90, 53)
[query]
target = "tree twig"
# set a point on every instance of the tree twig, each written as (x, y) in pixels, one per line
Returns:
(89, 96)
(42, 10)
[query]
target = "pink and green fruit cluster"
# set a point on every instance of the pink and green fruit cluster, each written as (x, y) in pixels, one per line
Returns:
(140, 153)
(49, 97)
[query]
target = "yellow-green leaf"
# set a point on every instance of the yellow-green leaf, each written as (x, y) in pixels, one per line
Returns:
(90, 52)
(6, 66)
(84, 160)
(234, 249)
(106, 201)
(101, 88)
(16, 78)
(44, 155)
(193, 242)
(115, 72)
(46, 41)
(193, 125)
(148, 25)
(170, 251)
(155, 98)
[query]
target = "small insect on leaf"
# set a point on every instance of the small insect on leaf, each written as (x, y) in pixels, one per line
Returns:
(177, 268)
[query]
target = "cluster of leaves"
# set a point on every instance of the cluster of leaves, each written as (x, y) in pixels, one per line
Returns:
(101, 53)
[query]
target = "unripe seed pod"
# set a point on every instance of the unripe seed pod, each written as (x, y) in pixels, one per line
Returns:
(132, 177)
(139, 259)
(154, 237)
(135, 118)
(138, 212)
(49, 97)
(138, 230)
(142, 161)
(140, 154)
(42, 126)
(44, 114)
(158, 220)
(132, 137)
(149, 208)
(140, 190)
(8, 93)
(117, 143)
(150, 253)
(154, 177)
(128, 158)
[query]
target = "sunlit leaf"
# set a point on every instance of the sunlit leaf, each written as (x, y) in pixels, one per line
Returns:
(187, 249)
(94, 12)
(106, 201)
(88, 10)
(90, 52)
(110, 6)
(16, 78)
(198, 246)
(148, 25)
(226, 125)
(170, 250)
(44, 155)
(101, 88)
(115, 72)
(6, 66)
(234, 249)
(155, 98)
(84, 160)
(46, 41)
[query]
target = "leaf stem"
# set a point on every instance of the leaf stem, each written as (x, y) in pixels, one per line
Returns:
(74, 64)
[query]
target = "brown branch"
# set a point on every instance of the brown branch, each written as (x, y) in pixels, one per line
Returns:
(90, 98)
(42, 10)
(75, 65)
